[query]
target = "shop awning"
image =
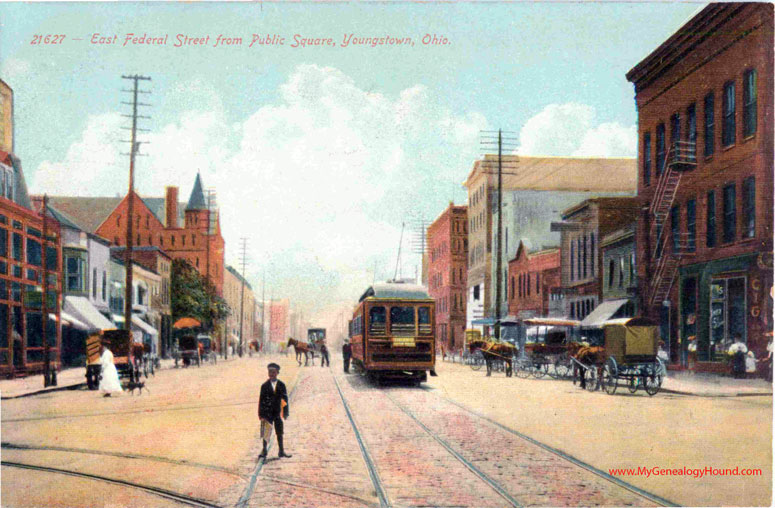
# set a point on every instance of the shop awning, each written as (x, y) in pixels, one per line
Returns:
(142, 325)
(69, 320)
(602, 313)
(82, 310)
(483, 322)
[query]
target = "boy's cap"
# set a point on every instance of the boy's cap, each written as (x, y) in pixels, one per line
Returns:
(273, 366)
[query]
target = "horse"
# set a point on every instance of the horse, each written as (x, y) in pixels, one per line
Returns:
(494, 351)
(253, 346)
(302, 347)
(591, 356)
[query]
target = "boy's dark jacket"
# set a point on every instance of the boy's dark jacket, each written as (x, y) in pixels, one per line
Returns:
(269, 402)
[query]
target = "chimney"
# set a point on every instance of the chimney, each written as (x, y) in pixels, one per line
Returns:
(171, 206)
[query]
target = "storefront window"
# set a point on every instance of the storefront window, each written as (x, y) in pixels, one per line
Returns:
(4, 325)
(34, 329)
(34, 252)
(727, 315)
(17, 246)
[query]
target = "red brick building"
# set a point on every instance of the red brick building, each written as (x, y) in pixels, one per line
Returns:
(27, 252)
(158, 223)
(704, 238)
(447, 260)
(581, 230)
(534, 282)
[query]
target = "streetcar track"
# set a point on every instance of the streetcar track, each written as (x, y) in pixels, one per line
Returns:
(381, 492)
(250, 487)
(133, 411)
(167, 494)
(471, 467)
(155, 458)
(316, 488)
(573, 460)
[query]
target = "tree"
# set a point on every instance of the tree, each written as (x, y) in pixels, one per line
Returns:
(194, 296)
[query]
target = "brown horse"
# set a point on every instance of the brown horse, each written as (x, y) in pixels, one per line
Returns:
(302, 348)
(591, 356)
(493, 351)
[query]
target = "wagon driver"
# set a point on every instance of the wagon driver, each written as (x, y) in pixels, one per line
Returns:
(272, 409)
(109, 382)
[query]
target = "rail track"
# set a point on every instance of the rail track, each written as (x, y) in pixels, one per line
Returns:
(653, 498)
(135, 456)
(164, 493)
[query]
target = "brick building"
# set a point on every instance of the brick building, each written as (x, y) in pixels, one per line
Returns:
(242, 332)
(27, 250)
(535, 189)
(534, 283)
(279, 323)
(581, 230)
(447, 270)
(705, 124)
(159, 223)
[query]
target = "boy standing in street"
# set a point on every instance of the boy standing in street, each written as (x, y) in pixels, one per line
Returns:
(272, 409)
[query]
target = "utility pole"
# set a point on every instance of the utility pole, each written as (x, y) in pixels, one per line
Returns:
(263, 311)
(134, 148)
(499, 233)
(49, 377)
(243, 253)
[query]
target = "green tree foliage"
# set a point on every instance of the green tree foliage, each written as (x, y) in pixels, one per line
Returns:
(193, 296)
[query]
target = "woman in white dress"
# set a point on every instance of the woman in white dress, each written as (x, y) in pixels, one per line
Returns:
(109, 382)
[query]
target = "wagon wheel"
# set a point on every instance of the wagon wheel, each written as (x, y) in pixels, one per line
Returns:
(652, 377)
(540, 367)
(215, 357)
(145, 368)
(477, 360)
(522, 367)
(592, 380)
(610, 376)
(561, 369)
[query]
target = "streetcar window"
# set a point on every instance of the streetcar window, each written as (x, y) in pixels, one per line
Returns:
(377, 320)
(424, 320)
(401, 320)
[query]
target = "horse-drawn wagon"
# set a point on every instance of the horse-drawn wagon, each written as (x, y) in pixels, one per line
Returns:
(544, 347)
(632, 345)
(129, 357)
(187, 351)
(206, 348)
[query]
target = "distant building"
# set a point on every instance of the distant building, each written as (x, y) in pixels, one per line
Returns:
(447, 239)
(279, 322)
(534, 283)
(581, 230)
(6, 118)
(705, 238)
(239, 332)
(535, 191)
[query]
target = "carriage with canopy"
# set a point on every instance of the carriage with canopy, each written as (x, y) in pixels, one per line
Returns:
(543, 345)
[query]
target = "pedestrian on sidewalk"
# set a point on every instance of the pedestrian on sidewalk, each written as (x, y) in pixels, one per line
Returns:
(109, 383)
(272, 409)
(347, 353)
(324, 355)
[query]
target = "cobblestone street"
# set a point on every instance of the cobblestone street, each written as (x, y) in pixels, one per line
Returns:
(458, 440)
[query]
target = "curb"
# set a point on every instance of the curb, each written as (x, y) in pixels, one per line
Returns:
(720, 395)
(45, 390)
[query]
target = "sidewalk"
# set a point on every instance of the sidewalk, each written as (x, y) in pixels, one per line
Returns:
(73, 378)
(713, 385)
(703, 385)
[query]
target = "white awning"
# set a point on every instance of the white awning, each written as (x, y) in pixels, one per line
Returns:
(82, 310)
(602, 313)
(69, 320)
(142, 325)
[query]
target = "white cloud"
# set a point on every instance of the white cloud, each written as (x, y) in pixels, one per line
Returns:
(570, 130)
(319, 181)
(12, 69)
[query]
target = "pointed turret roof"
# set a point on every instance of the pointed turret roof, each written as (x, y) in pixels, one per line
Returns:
(197, 199)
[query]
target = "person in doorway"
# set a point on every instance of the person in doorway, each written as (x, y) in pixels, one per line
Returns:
(347, 353)
(109, 383)
(323, 355)
(272, 409)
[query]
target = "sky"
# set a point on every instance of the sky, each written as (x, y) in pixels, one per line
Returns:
(319, 153)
